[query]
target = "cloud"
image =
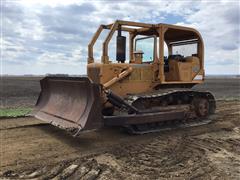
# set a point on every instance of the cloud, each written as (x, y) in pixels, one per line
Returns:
(65, 59)
(70, 19)
(219, 26)
(55, 35)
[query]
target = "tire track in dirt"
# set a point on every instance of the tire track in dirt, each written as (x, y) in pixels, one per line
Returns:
(168, 157)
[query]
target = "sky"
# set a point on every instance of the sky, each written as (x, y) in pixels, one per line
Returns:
(51, 36)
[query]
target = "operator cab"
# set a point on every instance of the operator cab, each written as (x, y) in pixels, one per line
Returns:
(159, 53)
(181, 57)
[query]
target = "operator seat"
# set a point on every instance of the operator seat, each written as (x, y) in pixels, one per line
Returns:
(179, 68)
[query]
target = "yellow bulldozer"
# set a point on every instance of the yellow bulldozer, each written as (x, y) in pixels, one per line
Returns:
(149, 91)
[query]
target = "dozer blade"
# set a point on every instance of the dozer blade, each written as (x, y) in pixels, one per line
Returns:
(71, 103)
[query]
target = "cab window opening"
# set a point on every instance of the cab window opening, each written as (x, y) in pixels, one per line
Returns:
(145, 46)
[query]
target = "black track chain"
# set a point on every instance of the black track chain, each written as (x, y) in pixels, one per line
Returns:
(164, 92)
(168, 125)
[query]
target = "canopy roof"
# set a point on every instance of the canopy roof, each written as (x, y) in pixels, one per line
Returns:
(173, 32)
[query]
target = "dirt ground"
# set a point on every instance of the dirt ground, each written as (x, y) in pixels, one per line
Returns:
(31, 149)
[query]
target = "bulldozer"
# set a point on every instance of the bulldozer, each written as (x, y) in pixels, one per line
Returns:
(147, 88)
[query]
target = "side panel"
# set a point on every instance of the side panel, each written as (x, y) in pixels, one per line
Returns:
(139, 81)
(143, 77)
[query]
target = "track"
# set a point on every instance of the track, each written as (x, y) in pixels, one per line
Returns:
(166, 126)
(185, 100)
(43, 151)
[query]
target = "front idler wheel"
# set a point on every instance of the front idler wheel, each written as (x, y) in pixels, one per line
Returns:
(201, 107)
